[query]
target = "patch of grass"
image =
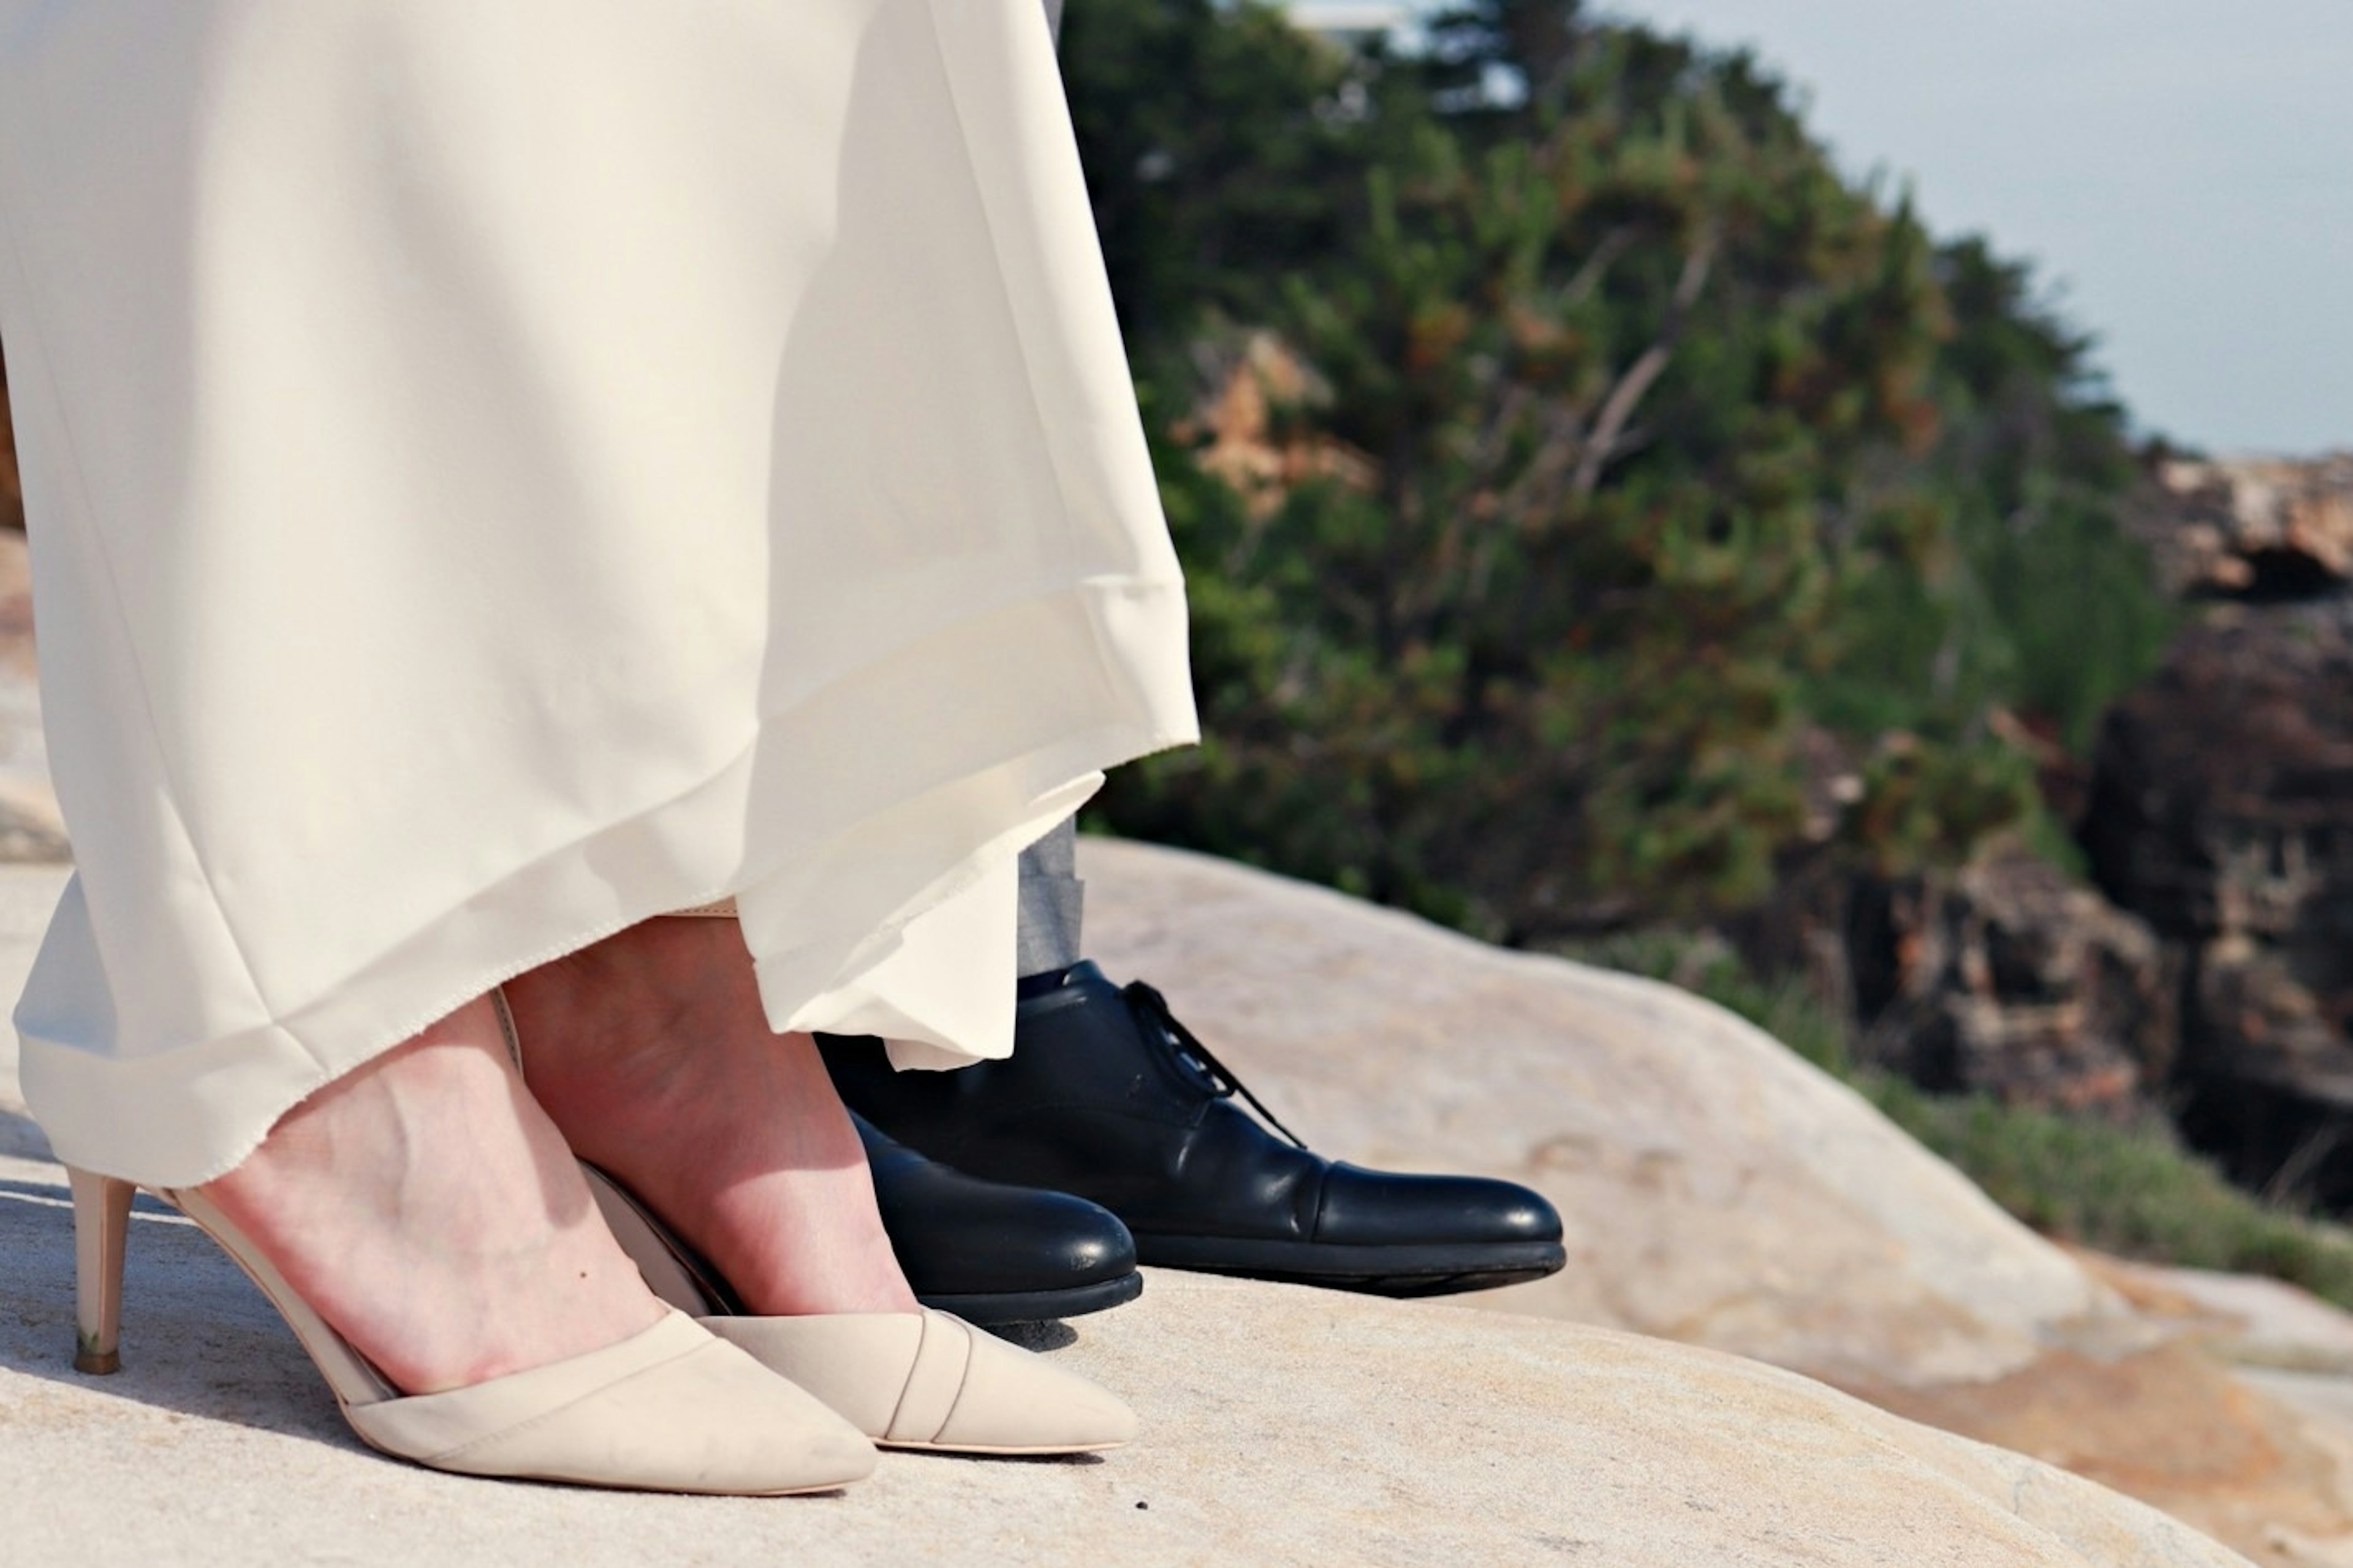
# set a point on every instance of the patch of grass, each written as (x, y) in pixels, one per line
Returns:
(2132, 1191)
(2129, 1190)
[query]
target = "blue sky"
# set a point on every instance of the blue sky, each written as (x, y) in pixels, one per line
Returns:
(2182, 173)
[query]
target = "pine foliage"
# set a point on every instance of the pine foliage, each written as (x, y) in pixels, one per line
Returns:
(1626, 449)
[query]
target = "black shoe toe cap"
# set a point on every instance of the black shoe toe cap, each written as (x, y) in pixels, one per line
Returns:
(958, 1235)
(1380, 1208)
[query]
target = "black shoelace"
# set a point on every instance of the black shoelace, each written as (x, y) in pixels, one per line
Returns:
(1151, 1008)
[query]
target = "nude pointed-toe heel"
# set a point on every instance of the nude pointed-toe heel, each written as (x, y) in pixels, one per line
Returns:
(931, 1382)
(671, 1409)
(924, 1380)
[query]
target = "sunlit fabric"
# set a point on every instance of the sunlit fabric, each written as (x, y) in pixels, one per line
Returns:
(501, 470)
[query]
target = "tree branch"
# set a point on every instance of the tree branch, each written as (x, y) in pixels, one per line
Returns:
(1609, 425)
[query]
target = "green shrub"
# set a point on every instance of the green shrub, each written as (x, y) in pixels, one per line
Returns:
(1644, 446)
(2132, 1191)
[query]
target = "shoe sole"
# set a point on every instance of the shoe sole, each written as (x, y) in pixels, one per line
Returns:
(987, 1451)
(1438, 1270)
(997, 1308)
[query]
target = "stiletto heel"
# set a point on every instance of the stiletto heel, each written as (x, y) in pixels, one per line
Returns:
(101, 1219)
(671, 1409)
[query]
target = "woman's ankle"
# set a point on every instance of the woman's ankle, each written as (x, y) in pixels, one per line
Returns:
(431, 1212)
(651, 1052)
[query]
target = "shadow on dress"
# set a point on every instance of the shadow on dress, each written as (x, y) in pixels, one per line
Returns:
(21, 1138)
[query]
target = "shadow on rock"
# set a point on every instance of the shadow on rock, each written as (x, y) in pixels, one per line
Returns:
(1051, 1334)
(21, 1138)
(198, 1339)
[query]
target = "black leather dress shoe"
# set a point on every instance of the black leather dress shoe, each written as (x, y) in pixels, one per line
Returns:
(1109, 1097)
(993, 1254)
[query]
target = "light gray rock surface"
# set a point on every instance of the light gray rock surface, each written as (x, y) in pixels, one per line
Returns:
(1282, 1425)
(1716, 1188)
(2249, 1319)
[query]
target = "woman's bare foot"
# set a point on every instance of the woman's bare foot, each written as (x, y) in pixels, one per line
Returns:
(651, 1052)
(428, 1208)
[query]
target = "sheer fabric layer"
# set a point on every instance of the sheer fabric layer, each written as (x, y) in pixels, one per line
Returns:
(501, 469)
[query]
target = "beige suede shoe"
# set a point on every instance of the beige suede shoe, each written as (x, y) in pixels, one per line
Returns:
(926, 1381)
(671, 1409)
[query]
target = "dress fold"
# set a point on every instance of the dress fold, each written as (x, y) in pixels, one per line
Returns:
(502, 469)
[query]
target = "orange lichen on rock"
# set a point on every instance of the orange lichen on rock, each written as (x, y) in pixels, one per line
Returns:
(2169, 1425)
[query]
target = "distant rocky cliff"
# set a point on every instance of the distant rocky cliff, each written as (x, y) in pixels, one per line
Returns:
(2221, 812)
(2011, 978)
(2210, 974)
(2267, 529)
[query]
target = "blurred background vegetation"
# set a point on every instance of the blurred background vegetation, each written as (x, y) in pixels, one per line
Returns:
(1617, 457)
(1603, 516)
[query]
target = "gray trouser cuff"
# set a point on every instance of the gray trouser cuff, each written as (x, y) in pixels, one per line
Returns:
(1053, 902)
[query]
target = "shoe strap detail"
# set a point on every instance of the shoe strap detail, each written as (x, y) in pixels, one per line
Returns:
(935, 1381)
(931, 1381)
(1151, 1009)
(899, 1377)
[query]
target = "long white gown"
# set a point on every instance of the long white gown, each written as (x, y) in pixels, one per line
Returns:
(502, 469)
